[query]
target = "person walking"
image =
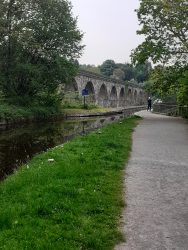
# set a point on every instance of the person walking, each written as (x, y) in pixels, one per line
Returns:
(149, 104)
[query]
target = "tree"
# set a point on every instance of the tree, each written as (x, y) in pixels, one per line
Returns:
(107, 67)
(165, 27)
(127, 69)
(141, 71)
(39, 42)
(166, 82)
(183, 89)
(91, 68)
(118, 74)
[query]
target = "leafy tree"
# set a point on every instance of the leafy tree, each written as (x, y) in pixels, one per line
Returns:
(141, 71)
(39, 42)
(149, 88)
(107, 67)
(128, 70)
(183, 89)
(118, 74)
(165, 27)
(166, 80)
(91, 68)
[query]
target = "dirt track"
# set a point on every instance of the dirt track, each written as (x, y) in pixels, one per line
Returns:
(156, 216)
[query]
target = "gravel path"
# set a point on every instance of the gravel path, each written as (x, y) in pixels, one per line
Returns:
(156, 216)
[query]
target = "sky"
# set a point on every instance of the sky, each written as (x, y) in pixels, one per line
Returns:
(109, 28)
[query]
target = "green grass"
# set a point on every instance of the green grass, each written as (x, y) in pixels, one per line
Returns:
(12, 113)
(75, 201)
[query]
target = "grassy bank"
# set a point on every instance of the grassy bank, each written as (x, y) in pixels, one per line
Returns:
(72, 201)
(11, 113)
(15, 113)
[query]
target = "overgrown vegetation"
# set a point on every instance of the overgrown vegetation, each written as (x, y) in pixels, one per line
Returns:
(69, 197)
(121, 71)
(73, 100)
(39, 43)
(12, 113)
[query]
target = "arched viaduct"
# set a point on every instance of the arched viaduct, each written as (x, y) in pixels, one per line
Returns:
(107, 92)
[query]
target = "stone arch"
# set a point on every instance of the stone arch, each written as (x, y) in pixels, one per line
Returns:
(71, 87)
(113, 97)
(135, 96)
(103, 96)
(92, 97)
(71, 94)
(122, 97)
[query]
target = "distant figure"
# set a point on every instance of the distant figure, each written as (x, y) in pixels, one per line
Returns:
(149, 104)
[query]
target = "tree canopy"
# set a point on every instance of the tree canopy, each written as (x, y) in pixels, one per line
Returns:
(125, 71)
(39, 41)
(107, 67)
(164, 23)
(165, 27)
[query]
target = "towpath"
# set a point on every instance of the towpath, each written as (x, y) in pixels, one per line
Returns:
(156, 215)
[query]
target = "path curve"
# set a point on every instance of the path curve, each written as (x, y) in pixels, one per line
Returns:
(156, 216)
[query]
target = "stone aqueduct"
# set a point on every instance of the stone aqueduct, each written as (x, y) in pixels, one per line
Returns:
(107, 92)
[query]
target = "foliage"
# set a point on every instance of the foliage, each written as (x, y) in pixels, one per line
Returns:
(10, 112)
(118, 74)
(73, 202)
(107, 67)
(38, 44)
(126, 71)
(91, 68)
(149, 88)
(74, 100)
(183, 89)
(165, 81)
(141, 71)
(165, 27)
(13, 113)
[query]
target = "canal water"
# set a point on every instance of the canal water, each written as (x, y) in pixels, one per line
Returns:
(18, 145)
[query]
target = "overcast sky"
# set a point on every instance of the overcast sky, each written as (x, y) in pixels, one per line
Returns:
(109, 28)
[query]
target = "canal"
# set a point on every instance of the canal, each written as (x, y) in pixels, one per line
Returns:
(19, 145)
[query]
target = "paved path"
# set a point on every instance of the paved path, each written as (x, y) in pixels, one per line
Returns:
(156, 216)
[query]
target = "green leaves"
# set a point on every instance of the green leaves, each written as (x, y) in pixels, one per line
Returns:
(183, 89)
(38, 44)
(108, 67)
(164, 23)
(165, 26)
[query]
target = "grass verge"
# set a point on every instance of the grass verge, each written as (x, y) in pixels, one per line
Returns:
(15, 113)
(73, 201)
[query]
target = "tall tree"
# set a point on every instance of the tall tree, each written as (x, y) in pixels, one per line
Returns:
(39, 42)
(107, 67)
(141, 71)
(118, 74)
(183, 89)
(165, 27)
(91, 68)
(127, 69)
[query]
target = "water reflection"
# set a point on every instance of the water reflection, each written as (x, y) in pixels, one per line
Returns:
(18, 145)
